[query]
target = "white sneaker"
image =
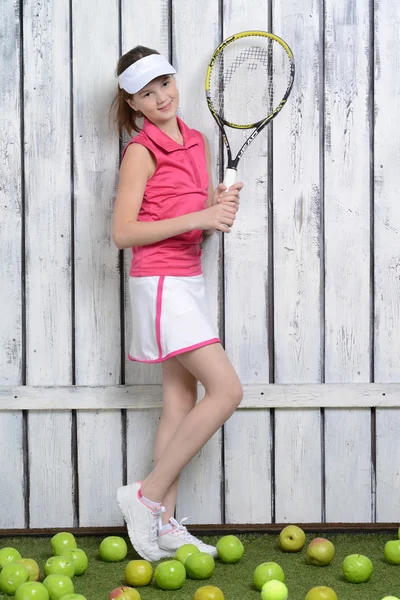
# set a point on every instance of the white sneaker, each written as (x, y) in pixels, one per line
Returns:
(142, 522)
(174, 535)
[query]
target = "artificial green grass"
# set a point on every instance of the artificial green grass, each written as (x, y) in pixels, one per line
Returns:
(236, 581)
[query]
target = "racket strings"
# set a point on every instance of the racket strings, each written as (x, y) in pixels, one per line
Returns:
(249, 81)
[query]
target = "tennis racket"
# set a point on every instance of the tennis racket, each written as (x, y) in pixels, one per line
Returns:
(248, 82)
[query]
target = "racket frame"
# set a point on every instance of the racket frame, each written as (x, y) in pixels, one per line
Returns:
(259, 125)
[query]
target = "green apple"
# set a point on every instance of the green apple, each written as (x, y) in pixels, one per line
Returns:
(230, 549)
(170, 575)
(113, 549)
(266, 572)
(392, 552)
(59, 565)
(138, 573)
(357, 568)
(274, 590)
(32, 566)
(321, 592)
(292, 538)
(8, 555)
(200, 565)
(209, 592)
(320, 552)
(73, 597)
(79, 559)
(124, 593)
(58, 586)
(390, 598)
(184, 551)
(12, 576)
(62, 542)
(32, 590)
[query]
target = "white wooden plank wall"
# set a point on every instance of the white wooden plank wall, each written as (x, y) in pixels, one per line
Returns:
(11, 341)
(305, 289)
(387, 251)
(297, 251)
(248, 433)
(97, 281)
(348, 292)
(48, 307)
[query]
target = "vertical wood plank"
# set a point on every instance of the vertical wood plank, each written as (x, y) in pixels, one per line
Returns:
(141, 431)
(11, 461)
(97, 283)
(347, 233)
(297, 248)
(152, 21)
(387, 254)
(48, 252)
(298, 467)
(246, 310)
(195, 35)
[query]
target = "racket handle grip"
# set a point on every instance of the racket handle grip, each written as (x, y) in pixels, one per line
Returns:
(230, 177)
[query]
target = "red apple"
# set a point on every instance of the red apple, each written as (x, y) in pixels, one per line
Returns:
(124, 593)
(320, 552)
(32, 566)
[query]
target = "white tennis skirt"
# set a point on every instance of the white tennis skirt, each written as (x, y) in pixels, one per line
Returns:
(169, 316)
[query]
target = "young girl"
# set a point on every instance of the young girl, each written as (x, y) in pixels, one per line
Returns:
(165, 203)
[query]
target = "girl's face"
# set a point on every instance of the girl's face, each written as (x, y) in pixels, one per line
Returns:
(158, 100)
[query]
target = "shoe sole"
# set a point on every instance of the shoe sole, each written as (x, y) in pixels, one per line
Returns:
(125, 500)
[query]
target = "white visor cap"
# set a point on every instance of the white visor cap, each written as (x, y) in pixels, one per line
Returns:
(144, 70)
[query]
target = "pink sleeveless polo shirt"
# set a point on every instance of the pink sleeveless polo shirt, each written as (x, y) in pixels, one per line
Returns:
(179, 186)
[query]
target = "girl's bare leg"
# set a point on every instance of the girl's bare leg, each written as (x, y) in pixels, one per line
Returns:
(211, 366)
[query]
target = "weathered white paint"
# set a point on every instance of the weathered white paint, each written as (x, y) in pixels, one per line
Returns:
(297, 314)
(298, 466)
(248, 472)
(48, 251)
(99, 467)
(97, 306)
(287, 396)
(195, 25)
(50, 463)
(348, 466)
(141, 430)
(11, 464)
(347, 243)
(387, 253)
(300, 461)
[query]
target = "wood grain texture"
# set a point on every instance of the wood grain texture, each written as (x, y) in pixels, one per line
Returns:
(11, 461)
(48, 251)
(145, 24)
(298, 466)
(386, 249)
(50, 469)
(297, 251)
(347, 247)
(140, 433)
(246, 309)
(97, 277)
(10, 196)
(137, 397)
(195, 27)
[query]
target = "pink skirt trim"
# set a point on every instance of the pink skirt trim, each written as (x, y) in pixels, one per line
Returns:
(176, 353)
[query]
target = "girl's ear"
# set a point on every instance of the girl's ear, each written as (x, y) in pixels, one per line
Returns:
(131, 103)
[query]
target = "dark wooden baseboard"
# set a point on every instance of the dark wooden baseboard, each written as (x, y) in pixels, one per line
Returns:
(211, 529)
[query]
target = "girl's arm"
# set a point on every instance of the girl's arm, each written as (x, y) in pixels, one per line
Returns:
(137, 167)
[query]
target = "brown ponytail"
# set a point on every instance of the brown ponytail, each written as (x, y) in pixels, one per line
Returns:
(123, 116)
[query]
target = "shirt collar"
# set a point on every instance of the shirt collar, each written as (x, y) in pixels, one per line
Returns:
(164, 141)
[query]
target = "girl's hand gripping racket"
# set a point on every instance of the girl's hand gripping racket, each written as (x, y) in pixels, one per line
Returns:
(248, 81)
